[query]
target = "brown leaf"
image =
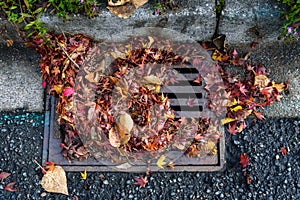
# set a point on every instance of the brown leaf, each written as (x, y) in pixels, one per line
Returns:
(261, 80)
(114, 138)
(124, 126)
(4, 175)
(9, 43)
(55, 181)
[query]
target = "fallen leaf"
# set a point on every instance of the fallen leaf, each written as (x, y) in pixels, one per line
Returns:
(4, 175)
(68, 91)
(9, 43)
(124, 166)
(244, 160)
(191, 102)
(161, 161)
(57, 88)
(236, 108)
(124, 126)
(50, 166)
(261, 80)
(227, 120)
(114, 138)
(152, 80)
(55, 181)
(141, 181)
(10, 187)
(171, 165)
(283, 151)
(83, 175)
(259, 115)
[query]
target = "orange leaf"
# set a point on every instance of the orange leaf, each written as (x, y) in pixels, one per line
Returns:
(50, 166)
(283, 151)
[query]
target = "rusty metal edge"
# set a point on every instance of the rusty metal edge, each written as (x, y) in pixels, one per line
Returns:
(48, 133)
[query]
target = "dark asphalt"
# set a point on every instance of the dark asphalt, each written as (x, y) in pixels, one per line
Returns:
(273, 175)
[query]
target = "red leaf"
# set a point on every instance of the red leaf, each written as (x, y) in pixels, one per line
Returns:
(141, 181)
(244, 160)
(68, 91)
(44, 84)
(4, 175)
(10, 187)
(50, 166)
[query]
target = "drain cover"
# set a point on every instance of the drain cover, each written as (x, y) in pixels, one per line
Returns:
(179, 94)
(187, 98)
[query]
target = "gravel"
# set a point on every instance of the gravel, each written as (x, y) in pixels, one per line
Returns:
(274, 176)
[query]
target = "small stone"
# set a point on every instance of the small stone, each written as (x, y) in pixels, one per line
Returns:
(277, 156)
(236, 142)
(105, 182)
(43, 194)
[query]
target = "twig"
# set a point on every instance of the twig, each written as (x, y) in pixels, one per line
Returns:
(61, 46)
(42, 168)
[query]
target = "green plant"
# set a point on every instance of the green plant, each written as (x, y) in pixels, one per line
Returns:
(27, 13)
(64, 8)
(292, 16)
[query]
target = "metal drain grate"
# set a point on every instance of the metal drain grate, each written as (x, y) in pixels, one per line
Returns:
(179, 93)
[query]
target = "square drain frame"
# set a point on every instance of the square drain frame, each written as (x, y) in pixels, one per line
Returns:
(52, 151)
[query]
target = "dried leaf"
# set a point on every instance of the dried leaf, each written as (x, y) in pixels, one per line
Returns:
(50, 166)
(114, 138)
(259, 115)
(55, 181)
(124, 126)
(161, 161)
(83, 175)
(124, 166)
(10, 187)
(244, 160)
(4, 175)
(9, 43)
(141, 181)
(261, 80)
(152, 80)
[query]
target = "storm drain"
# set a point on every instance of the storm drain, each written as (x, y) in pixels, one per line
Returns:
(188, 99)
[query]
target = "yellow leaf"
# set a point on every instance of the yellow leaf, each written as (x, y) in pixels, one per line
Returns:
(83, 175)
(233, 103)
(236, 108)
(161, 161)
(58, 88)
(227, 120)
(280, 87)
